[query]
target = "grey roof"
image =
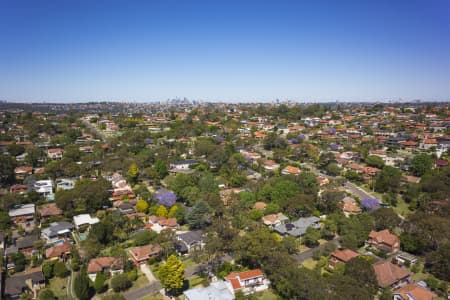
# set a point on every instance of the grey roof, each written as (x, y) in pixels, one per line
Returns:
(16, 284)
(191, 236)
(297, 228)
(26, 242)
(56, 227)
(216, 291)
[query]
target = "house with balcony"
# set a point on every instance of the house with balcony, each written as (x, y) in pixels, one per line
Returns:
(56, 232)
(248, 282)
(384, 241)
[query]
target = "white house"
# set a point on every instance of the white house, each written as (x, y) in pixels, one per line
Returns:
(84, 220)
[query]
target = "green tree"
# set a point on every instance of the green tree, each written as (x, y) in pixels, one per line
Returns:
(199, 215)
(60, 269)
(386, 218)
(333, 169)
(5, 220)
(311, 237)
(161, 168)
(421, 164)
(361, 270)
(46, 294)
(81, 285)
(100, 282)
(172, 275)
(142, 205)
(438, 262)
(120, 282)
(7, 170)
(388, 179)
(374, 161)
(162, 211)
(133, 174)
(47, 269)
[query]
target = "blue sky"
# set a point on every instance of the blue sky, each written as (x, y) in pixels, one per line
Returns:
(224, 50)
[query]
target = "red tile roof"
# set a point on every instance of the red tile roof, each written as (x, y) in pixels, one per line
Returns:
(345, 255)
(387, 273)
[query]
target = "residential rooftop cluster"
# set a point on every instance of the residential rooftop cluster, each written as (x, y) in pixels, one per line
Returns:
(189, 200)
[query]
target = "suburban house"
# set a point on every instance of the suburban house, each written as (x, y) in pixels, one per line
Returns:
(248, 281)
(413, 292)
(49, 210)
(43, 187)
(160, 223)
(26, 244)
(183, 164)
(61, 251)
(275, 219)
(57, 231)
(405, 258)
(111, 265)
(55, 153)
(189, 241)
(297, 228)
(384, 241)
(140, 255)
(30, 281)
(22, 172)
(341, 256)
(390, 275)
(84, 220)
(270, 165)
(219, 290)
(23, 216)
(65, 184)
(349, 206)
(290, 170)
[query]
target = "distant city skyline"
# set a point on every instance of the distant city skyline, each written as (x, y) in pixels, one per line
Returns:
(232, 51)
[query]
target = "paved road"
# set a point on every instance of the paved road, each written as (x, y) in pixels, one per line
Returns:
(149, 289)
(357, 191)
(301, 257)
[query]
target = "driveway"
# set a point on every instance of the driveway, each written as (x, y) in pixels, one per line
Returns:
(147, 272)
(149, 289)
(357, 191)
(153, 286)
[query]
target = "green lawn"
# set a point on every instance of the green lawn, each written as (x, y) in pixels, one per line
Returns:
(59, 287)
(140, 281)
(310, 263)
(267, 295)
(402, 208)
(195, 280)
(188, 263)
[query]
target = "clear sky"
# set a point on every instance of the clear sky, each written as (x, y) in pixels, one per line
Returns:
(77, 50)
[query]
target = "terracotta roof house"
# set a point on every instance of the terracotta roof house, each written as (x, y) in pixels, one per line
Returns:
(140, 255)
(55, 153)
(413, 292)
(22, 172)
(248, 281)
(270, 165)
(260, 205)
(341, 256)
(112, 265)
(390, 275)
(275, 219)
(384, 241)
(60, 251)
(290, 170)
(349, 206)
(49, 210)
